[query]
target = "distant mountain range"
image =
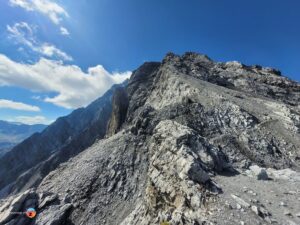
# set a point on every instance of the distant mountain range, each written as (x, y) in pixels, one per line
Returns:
(12, 134)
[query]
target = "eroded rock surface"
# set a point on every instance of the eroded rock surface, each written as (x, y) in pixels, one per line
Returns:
(192, 130)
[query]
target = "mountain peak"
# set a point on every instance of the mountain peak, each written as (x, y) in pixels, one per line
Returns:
(188, 56)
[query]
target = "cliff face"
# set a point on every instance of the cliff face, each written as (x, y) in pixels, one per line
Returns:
(119, 111)
(191, 149)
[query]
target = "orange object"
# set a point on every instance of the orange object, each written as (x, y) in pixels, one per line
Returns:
(31, 213)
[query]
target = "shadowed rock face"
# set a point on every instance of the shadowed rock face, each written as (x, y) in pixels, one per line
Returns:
(189, 121)
(119, 111)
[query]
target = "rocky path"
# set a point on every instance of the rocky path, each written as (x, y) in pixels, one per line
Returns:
(272, 201)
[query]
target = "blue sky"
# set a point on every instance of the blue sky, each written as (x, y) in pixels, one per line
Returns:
(59, 55)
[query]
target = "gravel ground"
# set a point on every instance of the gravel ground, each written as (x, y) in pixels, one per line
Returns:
(278, 198)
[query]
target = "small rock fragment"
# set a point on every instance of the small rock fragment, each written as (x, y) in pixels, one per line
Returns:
(287, 213)
(240, 201)
(255, 209)
(268, 220)
(48, 200)
(282, 204)
(260, 211)
(259, 173)
(228, 205)
(290, 192)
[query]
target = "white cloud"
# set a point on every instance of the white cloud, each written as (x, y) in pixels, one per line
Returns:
(64, 31)
(51, 51)
(36, 97)
(30, 120)
(52, 10)
(8, 104)
(73, 87)
(23, 33)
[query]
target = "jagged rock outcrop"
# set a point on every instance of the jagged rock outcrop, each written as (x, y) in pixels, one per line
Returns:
(192, 130)
(119, 111)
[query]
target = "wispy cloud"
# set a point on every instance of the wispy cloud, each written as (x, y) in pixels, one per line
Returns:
(8, 104)
(55, 12)
(52, 10)
(36, 97)
(74, 87)
(24, 34)
(30, 120)
(51, 51)
(64, 31)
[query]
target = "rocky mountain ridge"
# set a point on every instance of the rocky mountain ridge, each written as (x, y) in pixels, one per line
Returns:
(29, 162)
(201, 143)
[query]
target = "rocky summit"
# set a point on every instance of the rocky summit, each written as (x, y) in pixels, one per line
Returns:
(189, 141)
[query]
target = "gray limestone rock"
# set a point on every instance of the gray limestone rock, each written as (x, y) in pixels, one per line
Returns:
(258, 172)
(170, 145)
